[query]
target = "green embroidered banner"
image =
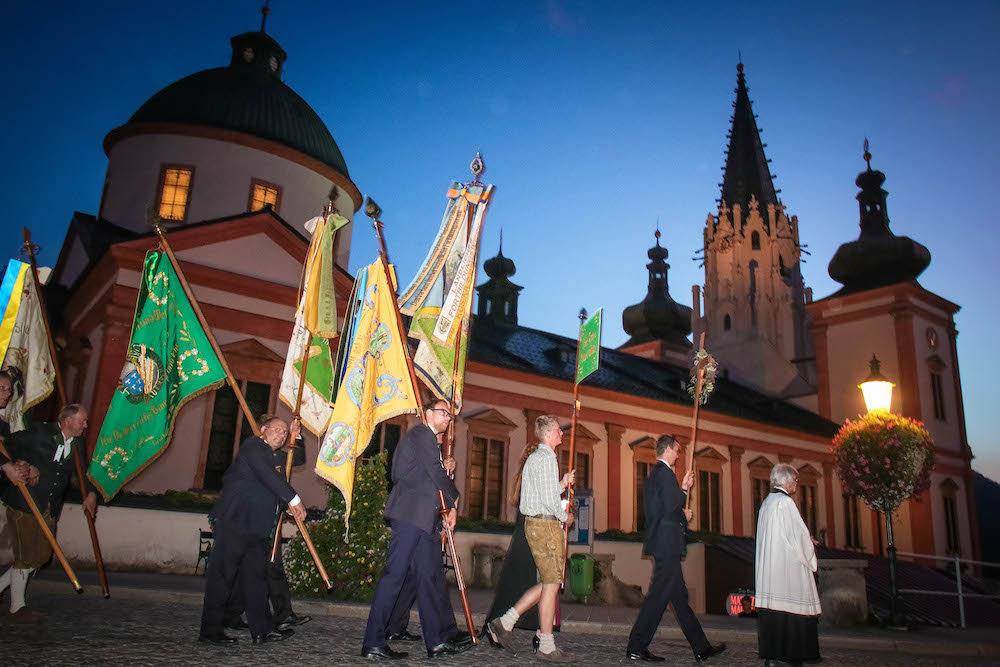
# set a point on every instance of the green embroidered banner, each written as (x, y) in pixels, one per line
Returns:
(590, 347)
(169, 362)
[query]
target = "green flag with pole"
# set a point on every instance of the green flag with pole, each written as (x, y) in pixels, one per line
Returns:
(169, 361)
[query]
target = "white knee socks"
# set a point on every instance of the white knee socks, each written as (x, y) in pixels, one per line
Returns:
(18, 582)
(509, 619)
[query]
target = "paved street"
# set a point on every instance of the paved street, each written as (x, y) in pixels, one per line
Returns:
(86, 629)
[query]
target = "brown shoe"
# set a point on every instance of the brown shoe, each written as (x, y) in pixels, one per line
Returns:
(503, 637)
(556, 656)
(24, 616)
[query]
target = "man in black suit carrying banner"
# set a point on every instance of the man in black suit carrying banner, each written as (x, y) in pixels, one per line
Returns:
(666, 520)
(252, 492)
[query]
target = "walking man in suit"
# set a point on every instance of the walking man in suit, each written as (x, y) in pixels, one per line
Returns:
(252, 492)
(42, 458)
(666, 519)
(414, 548)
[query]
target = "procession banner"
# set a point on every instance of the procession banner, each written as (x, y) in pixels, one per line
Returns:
(589, 358)
(169, 361)
(315, 324)
(24, 346)
(440, 296)
(376, 385)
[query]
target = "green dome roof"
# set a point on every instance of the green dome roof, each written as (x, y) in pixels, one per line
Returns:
(248, 96)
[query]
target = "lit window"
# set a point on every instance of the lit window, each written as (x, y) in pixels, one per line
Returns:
(264, 195)
(175, 192)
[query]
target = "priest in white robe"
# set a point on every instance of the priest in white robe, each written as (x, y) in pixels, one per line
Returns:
(786, 598)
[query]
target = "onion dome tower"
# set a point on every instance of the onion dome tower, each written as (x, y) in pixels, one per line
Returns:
(657, 325)
(878, 257)
(498, 295)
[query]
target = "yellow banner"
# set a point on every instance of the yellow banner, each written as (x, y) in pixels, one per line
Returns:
(376, 385)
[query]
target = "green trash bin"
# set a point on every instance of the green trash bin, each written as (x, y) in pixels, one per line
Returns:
(581, 575)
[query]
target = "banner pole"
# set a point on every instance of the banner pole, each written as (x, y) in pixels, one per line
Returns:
(77, 458)
(699, 381)
(373, 211)
(231, 380)
(572, 441)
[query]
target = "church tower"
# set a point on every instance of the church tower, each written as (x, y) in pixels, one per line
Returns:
(498, 295)
(754, 301)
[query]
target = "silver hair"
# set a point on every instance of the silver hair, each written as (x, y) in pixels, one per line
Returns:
(782, 474)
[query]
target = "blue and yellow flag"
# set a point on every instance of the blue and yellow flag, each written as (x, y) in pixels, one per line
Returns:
(376, 382)
(24, 344)
(440, 296)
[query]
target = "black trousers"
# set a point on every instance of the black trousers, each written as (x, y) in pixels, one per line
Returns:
(278, 594)
(236, 554)
(666, 586)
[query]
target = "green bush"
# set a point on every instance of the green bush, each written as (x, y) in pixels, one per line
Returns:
(353, 565)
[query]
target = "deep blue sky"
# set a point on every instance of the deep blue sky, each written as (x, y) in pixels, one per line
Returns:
(594, 121)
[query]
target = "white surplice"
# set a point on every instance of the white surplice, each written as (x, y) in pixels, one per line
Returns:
(786, 559)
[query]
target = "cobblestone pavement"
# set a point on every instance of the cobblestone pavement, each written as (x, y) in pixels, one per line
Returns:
(88, 630)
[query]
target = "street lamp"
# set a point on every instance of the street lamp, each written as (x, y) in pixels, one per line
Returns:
(877, 392)
(876, 389)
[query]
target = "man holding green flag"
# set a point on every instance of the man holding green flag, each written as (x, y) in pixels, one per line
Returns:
(169, 362)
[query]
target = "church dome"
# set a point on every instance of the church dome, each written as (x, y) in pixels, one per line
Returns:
(248, 96)
(658, 316)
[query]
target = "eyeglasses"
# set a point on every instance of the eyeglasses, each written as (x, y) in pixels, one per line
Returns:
(282, 431)
(447, 412)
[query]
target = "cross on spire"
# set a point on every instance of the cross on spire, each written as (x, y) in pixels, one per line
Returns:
(264, 11)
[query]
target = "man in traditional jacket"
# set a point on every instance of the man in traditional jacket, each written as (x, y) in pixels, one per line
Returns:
(412, 511)
(787, 602)
(666, 519)
(252, 492)
(44, 455)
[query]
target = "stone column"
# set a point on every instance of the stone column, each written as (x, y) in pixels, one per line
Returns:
(614, 509)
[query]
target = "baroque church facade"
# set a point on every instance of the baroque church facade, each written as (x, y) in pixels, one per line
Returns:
(237, 161)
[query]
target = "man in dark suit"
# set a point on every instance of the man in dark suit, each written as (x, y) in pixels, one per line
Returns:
(666, 520)
(252, 492)
(278, 592)
(41, 457)
(418, 477)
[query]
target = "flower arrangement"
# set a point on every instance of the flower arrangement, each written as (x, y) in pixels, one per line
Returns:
(884, 458)
(702, 357)
(353, 565)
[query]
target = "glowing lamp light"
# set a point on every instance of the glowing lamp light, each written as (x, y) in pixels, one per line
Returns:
(876, 389)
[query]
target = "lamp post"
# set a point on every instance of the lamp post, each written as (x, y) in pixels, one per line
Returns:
(877, 392)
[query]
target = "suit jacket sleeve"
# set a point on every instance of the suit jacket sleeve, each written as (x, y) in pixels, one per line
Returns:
(299, 457)
(430, 459)
(261, 464)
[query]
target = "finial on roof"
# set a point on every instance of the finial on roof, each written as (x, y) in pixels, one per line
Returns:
(868, 155)
(501, 240)
(739, 61)
(264, 11)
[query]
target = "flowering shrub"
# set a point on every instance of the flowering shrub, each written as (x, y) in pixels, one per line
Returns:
(884, 458)
(355, 565)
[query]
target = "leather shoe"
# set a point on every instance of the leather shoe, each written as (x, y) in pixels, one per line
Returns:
(293, 620)
(24, 616)
(709, 652)
(461, 638)
(380, 652)
(643, 654)
(273, 636)
(218, 638)
(403, 636)
(446, 648)
(501, 636)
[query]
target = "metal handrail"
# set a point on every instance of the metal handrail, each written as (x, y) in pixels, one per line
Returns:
(958, 580)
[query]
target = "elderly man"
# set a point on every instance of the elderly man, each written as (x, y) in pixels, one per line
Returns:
(253, 491)
(418, 478)
(41, 457)
(787, 602)
(540, 488)
(666, 519)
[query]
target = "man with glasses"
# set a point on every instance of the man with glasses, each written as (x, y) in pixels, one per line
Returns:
(252, 492)
(418, 476)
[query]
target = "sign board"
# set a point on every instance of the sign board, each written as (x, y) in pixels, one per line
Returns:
(582, 530)
(589, 350)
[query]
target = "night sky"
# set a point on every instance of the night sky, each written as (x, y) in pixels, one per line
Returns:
(594, 121)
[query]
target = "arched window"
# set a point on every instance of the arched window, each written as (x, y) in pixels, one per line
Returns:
(727, 322)
(755, 241)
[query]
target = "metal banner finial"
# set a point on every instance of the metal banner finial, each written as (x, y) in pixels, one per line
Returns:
(477, 166)
(372, 209)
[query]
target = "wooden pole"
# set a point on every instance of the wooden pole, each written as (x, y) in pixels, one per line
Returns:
(45, 529)
(373, 211)
(572, 446)
(77, 458)
(699, 381)
(232, 381)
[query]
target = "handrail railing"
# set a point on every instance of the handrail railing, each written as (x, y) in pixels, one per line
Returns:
(957, 560)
